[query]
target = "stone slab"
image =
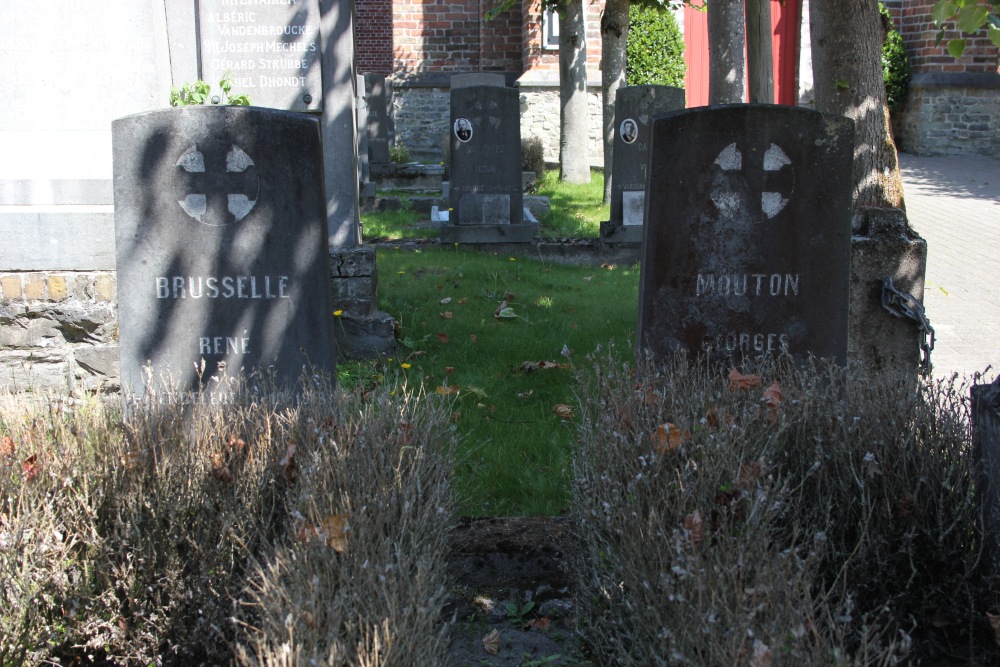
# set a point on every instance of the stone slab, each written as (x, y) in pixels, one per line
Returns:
(478, 79)
(746, 249)
(521, 233)
(57, 238)
(271, 50)
(222, 252)
(377, 128)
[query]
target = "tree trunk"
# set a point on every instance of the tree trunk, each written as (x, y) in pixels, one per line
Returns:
(574, 121)
(760, 67)
(726, 64)
(614, 49)
(847, 73)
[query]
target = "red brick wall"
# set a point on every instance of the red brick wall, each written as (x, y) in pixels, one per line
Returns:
(535, 57)
(418, 36)
(373, 36)
(913, 19)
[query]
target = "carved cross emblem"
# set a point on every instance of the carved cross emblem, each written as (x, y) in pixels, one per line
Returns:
(216, 186)
(752, 182)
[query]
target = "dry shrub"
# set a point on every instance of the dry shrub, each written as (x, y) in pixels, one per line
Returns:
(360, 580)
(834, 524)
(139, 539)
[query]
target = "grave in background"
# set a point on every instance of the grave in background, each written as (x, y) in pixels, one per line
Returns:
(747, 239)
(222, 250)
(485, 188)
(377, 96)
(635, 107)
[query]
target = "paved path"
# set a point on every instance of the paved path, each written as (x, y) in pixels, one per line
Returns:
(954, 203)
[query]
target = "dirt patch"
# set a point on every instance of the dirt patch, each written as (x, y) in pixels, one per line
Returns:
(511, 575)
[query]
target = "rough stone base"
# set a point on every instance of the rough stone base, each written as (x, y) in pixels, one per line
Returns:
(488, 233)
(884, 245)
(364, 337)
(413, 177)
(620, 233)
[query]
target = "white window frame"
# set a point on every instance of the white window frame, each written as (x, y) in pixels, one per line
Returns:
(550, 30)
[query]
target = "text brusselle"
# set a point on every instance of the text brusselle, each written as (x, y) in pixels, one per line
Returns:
(222, 287)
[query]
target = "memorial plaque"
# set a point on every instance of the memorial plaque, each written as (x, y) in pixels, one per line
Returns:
(485, 153)
(378, 118)
(747, 238)
(271, 48)
(635, 107)
(220, 225)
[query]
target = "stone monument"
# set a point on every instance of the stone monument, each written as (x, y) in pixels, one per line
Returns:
(222, 252)
(486, 190)
(377, 100)
(747, 239)
(635, 107)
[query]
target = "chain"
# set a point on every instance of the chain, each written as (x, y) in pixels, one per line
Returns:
(902, 304)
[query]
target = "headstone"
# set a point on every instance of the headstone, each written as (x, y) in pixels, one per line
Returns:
(270, 49)
(221, 245)
(635, 107)
(747, 240)
(478, 79)
(378, 118)
(485, 188)
(366, 189)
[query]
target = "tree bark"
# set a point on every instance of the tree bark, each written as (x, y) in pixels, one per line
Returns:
(760, 63)
(726, 63)
(614, 43)
(574, 120)
(847, 74)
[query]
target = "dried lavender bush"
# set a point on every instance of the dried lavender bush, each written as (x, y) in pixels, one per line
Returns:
(134, 540)
(373, 594)
(840, 528)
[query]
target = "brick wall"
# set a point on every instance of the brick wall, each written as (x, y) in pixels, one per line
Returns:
(537, 58)
(433, 36)
(373, 36)
(914, 21)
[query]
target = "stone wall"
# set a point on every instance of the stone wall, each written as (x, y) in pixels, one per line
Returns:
(420, 114)
(540, 118)
(943, 119)
(59, 331)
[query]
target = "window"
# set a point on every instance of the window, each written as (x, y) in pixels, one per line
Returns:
(550, 29)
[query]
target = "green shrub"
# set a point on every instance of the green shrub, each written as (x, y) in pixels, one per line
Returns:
(655, 48)
(398, 153)
(533, 156)
(836, 528)
(199, 93)
(895, 64)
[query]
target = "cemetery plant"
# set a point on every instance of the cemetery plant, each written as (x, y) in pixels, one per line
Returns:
(200, 92)
(655, 47)
(895, 63)
(263, 531)
(778, 516)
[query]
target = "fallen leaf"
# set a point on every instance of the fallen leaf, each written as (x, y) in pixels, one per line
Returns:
(220, 471)
(31, 467)
(693, 525)
(540, 624)
(526, 394)
(506, 313)
(588, 278)
(739, 381)
(772, 399)
(448, 370)
(456, 416)
(463, 301)
(564, 411)
(762, 656)
(529, 366)
(447, 315)
(331, 531)
(473, 337)
(503, 304)
(609, 267)
(446, 390)
(491, 642)
(445, 300)
(7, 446)
(508, 296)
(405, 431)
(995, 624)
(442, 337)
(237, 443)
(669, 437)
(288, 463)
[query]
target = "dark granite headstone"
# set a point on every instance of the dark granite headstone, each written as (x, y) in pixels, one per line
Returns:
(220, 226)
(485, 194)
(748, 234)
(271, 50)
(635, 107)
(378, 118)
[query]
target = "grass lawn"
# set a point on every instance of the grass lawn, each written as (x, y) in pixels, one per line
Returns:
(462, 347)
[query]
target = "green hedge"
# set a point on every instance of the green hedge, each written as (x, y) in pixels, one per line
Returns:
(655, 48)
